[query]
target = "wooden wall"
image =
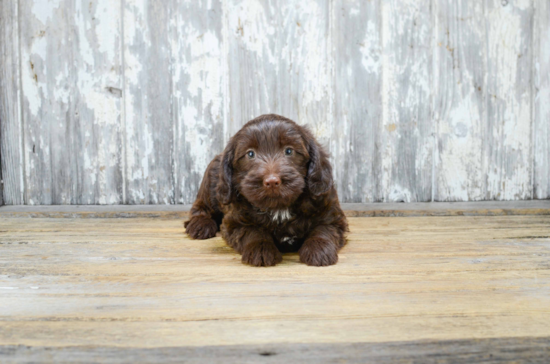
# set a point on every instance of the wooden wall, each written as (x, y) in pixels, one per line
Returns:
(126, 101)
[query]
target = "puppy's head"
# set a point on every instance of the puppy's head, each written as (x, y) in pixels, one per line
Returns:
(271, 161)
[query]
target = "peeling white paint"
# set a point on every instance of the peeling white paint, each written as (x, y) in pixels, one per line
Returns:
(230, 62)
(198, 95)
(509, 175)
(462, 158)
(86, 53)
(108, 18)
(370, 49)
(31, 89)
(44, 10)
(248, 20)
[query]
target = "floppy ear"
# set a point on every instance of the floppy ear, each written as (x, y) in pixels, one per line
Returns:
(225, 187)
(319, 173)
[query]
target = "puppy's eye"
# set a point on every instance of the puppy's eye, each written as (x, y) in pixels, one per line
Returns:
(250, 154)
(288, 151)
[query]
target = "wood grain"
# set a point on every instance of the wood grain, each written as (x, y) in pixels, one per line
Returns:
(509, 123)
(541, 90)
(148, 29)
(501, 350)
(11, 152)
(127, 101)
(407, 141)
(198, 93)
(357, 128)
(482, 208)
(278, 59)
(99, 135)
(48, 103)
(460, 61)
(70, 62)
(141, 283)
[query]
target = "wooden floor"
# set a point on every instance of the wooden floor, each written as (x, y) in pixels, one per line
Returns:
(444, 289)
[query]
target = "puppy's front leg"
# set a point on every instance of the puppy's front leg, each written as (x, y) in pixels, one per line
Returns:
(322, 245)
(206, 213)
(256, 246)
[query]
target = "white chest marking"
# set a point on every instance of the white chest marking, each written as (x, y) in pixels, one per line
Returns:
(280, 216)
(288, 239)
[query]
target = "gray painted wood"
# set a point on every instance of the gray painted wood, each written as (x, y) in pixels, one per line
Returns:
(148, 26)
(357, 128)
(541, 99)
(198, 92)
(48, 104)
(407, 142)
(12, 162)
(70, 63)
(508, 146)
(279, 62)
(126, 102)
(250, 36)
(98, 57)
(460, 66)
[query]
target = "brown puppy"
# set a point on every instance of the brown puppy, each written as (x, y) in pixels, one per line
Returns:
(271, 191)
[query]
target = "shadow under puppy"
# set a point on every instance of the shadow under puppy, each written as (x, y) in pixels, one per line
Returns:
(271, 191)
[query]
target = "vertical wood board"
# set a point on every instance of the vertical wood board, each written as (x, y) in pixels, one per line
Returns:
(106, 102)
(149, 138)
(459, 88)
(70, 64)
(279, 62)
(47, 77)
(357, 127)
(541, 100)
(198, 93)
(407, 134)
(11, 153)
(508, 141)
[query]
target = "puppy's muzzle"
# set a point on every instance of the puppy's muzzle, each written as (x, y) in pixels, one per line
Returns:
(272, 182)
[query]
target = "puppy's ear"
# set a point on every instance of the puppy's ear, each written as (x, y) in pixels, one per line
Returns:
(319, 173)
(225, 187)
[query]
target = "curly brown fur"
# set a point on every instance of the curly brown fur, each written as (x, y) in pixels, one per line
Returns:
(271, 191)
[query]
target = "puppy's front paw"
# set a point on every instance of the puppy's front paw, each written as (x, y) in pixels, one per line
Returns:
(201, 227)
(318, 252)
(261, 254)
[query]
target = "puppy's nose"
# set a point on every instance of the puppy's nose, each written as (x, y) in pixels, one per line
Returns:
(272, 181)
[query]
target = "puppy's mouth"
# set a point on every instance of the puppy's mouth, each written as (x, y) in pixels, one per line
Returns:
(272, 194)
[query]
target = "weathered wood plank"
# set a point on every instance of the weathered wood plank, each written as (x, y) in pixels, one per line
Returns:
(279, 63)
(70, 62)
(493, 350)
(357, 123)
(198, 93)
(140, 283)
(1, 183)
(441, 100)
(407, 138)
(541, 97)
(149, 121)
(98, 132)
(508, 147)
(483, 208)
(303, 57)
(460, 61)
(12, 160)
(251, 29)
(47, 76)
